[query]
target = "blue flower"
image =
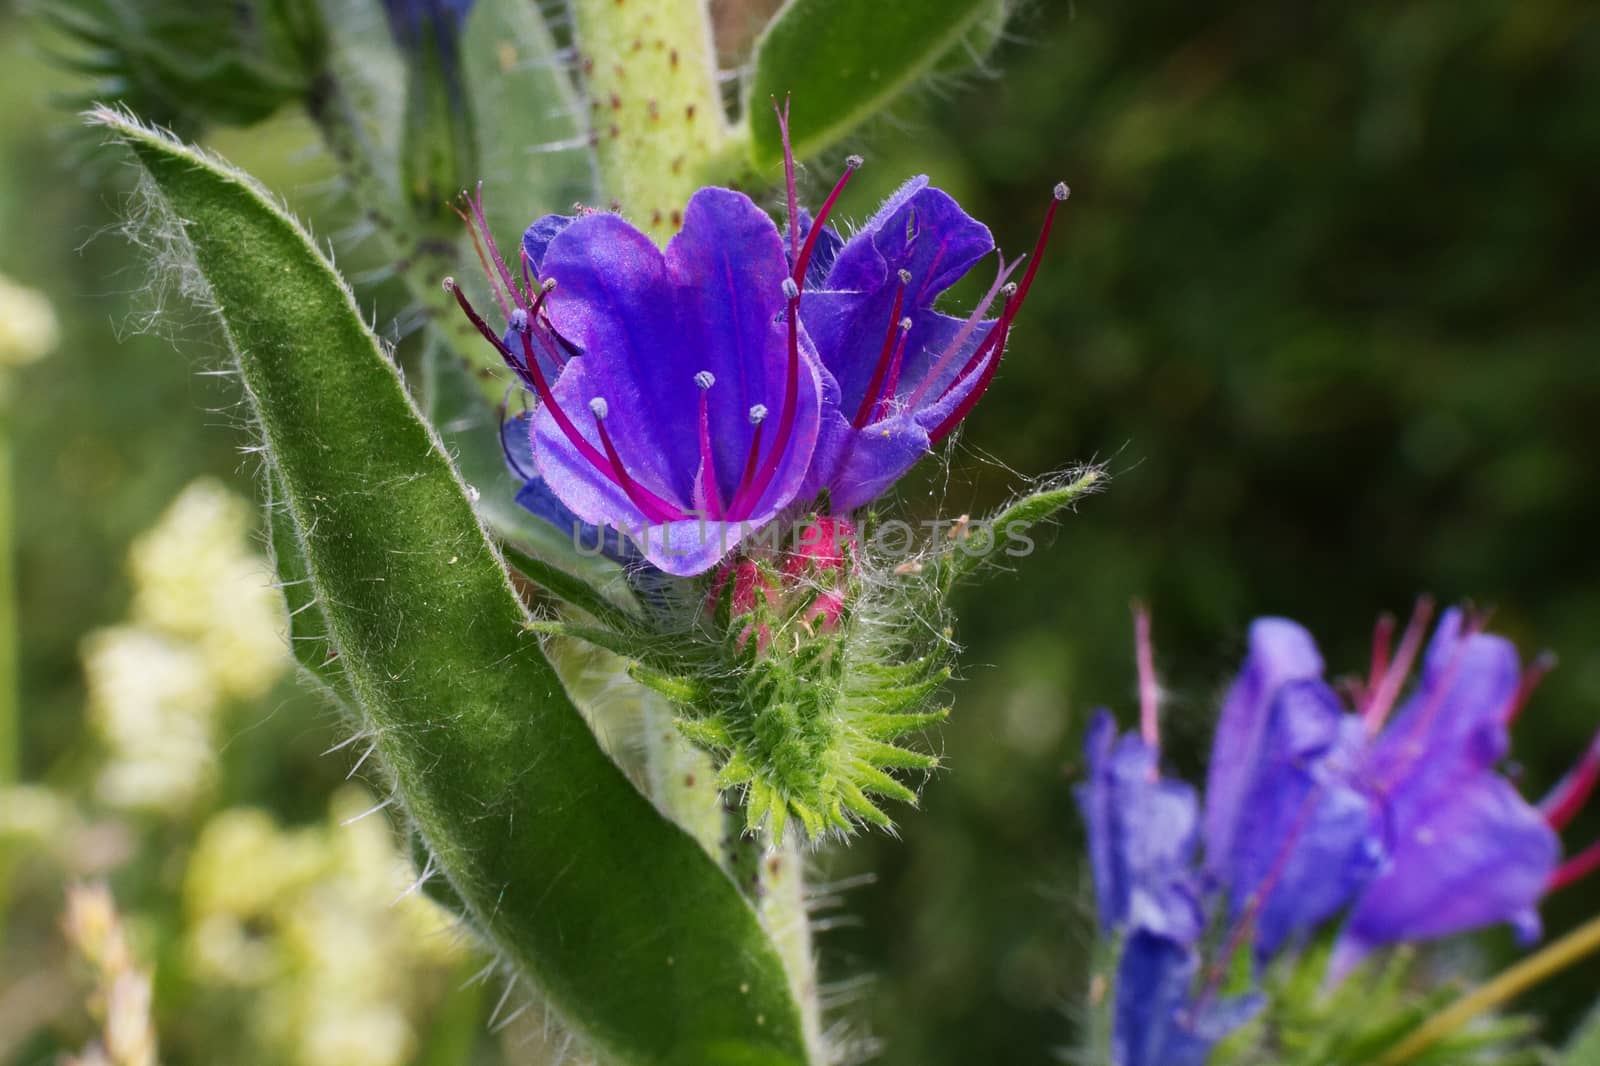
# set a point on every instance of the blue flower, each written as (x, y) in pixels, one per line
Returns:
(1292, 835)
(690, 397)
(899, 375)
(1465, 849)
(1142, 836)
(1391, 827)
(685, 400)
(1143, 832)
(1158, 1018)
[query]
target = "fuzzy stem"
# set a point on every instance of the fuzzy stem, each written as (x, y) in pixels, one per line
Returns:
(660, 131)
(420, 254)
(679, 776)
(10, 756)
(782, 907)
(1512, 982)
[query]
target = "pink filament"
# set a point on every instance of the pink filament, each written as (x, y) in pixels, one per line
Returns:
(869, 398)
(1564, 802)
(1380, 700)
(1149, 687)
(1575, 869)
(893, 383)
(653, 506)
(708, 464)
(946, 357)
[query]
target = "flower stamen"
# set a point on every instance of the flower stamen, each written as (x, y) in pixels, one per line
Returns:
(803, 260)
(654, 507)
(1573, 791)
(758, 417)
(1381, 698)
(1575, 869)
(994, 345)
(869, 398)
(709, 488)
(893, 383)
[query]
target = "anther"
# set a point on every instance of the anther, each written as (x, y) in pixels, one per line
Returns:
(791, 289)
(905, 276)
(905, 325)
(705, 379)
(1061, 190)
(519, 319)
(599, 407)
(853, 162)
(758, 414)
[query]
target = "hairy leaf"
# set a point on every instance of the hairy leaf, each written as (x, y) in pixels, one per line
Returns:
(636, 937)
(844, 60)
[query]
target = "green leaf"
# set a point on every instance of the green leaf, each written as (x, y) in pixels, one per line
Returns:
(310, 638)
(843, 61)
(637, 938)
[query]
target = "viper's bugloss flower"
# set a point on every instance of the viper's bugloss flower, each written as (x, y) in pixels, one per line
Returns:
(1465, 849)
(1142, 835)
(898, 376)
(1290, 833)
(691, 397)
(1382, 826)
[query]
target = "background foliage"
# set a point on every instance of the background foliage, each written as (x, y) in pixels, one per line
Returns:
(1325, 297)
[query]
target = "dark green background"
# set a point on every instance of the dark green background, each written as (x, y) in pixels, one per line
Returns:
(1325, 300)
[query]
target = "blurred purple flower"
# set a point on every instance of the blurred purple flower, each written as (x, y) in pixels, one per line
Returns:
(1465, 849)
(1142, 836)
(1406, 825)
(1291, 835)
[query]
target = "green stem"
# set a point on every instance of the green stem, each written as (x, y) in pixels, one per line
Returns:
(660, 133)
(1554, 957)
(659, 127)
(10, 733)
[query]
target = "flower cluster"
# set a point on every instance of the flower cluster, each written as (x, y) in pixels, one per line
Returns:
(690, 397)
(1381, 823)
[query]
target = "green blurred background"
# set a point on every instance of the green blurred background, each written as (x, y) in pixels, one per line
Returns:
(1325, 300)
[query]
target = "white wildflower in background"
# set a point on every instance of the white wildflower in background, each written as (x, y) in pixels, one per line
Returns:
(28, 329)
(197, 577)
(318, 923)
(153, 703)
(208, 628)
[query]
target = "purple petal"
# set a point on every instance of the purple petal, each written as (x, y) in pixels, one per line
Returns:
(650, 322)
(1142, 835)
(536, 240)
(1280, 651)
(861, 465)
(920, 229)
(1479, 855)
(1156, 1018)
(728, 269)
(1306, 839)
(1454, 723)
